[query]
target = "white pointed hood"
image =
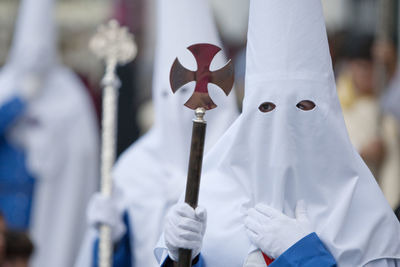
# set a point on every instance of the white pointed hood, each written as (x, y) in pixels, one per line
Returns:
(152, 172)
(289, 154)
(35, 37)
(33, 51)
(180, 25)
(58, 133)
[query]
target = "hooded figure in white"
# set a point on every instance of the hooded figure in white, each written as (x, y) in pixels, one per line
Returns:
(57, 132)
(289, 144)
(150, 176)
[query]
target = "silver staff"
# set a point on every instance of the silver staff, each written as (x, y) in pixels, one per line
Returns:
(115, 46)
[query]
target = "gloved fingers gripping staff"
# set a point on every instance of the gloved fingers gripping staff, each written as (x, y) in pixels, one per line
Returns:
(201, 213)
(104, 210)
(184, 228)
(274, 232)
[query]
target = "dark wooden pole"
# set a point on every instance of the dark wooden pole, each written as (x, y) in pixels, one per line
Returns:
(194, 174)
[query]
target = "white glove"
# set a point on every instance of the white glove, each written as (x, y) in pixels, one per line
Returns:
(274, 232)
(184, 228)
(104, 210)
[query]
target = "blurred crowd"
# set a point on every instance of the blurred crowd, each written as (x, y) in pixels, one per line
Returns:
(370, 118)
(368, 84)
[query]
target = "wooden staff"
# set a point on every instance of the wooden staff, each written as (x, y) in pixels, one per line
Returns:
(200, 101)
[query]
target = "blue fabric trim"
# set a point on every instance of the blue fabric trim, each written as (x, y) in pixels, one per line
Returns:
(9, 112)
(200, 263)
(16, 186)
(122, 256)
(309, 252)
(169, 263)
(16, 182)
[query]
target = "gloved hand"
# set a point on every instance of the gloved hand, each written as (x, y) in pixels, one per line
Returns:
(104, 210)
(274, 232)
(184, 228)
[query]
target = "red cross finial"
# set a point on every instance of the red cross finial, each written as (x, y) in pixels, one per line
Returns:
(223, 78)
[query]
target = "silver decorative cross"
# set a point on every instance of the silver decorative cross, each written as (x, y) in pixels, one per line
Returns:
(115, 46)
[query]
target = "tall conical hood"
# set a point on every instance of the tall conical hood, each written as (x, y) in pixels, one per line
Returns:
(286, 40)
(35, 38)
(182, 23)
(290, 143)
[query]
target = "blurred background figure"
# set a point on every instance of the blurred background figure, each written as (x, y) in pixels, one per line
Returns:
(373, 133)
(363, 38)
(48, 144)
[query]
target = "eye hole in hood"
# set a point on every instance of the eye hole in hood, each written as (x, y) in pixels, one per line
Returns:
(306, 105)
(267, 107)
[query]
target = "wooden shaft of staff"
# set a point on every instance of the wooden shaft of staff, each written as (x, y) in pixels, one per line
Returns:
(194, 174)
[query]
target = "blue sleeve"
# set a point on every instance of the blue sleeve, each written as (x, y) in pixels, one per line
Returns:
(197, 262)
(309, 251)
(9, 112)
(122, 256)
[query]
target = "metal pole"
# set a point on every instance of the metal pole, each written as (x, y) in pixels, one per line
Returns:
(111, 84)
(398, 33)
(114, 45)
(384, 29)
(383, 32)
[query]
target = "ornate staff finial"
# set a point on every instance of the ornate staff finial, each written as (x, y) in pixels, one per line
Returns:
(113, 43)
(115, 46)
(224, 77)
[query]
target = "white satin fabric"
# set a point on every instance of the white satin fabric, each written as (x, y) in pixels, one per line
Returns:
(288, 154)
(58, 132)
(151, 174)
